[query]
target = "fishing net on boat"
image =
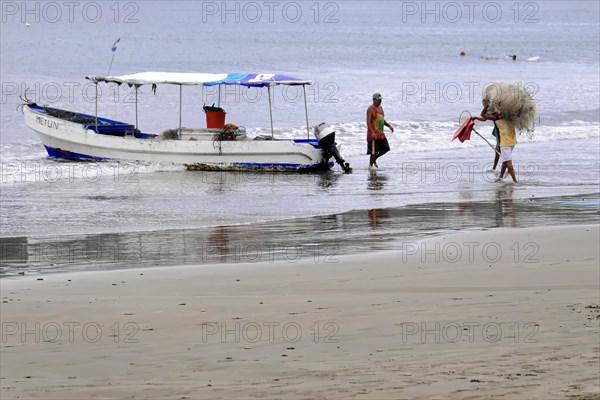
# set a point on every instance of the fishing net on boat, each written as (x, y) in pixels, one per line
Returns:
(227, 133)
(62, 114)
(515, 101)
(71, 116)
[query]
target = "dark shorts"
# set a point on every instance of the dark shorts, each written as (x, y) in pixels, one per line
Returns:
(496, 134)
(378, 147)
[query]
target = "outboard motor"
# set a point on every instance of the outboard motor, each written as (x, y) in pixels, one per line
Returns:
(326, 136)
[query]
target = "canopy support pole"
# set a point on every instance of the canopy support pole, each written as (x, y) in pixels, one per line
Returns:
(306, 112)
(180, 107)
(270, 109)
(219, 96)
(136, 107)
(96, 107)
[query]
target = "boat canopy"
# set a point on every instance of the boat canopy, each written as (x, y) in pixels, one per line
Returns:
(184, 78)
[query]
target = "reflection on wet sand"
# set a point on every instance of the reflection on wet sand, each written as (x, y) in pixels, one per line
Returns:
(505, 215)
(377, 216)
(377, 180)
(320, 238)
(328, 179)
(218, 240)
(502, 210)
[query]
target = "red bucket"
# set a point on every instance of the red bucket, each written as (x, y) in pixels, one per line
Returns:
(215, 119)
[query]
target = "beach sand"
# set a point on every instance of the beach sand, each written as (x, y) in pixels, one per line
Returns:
(502, 313)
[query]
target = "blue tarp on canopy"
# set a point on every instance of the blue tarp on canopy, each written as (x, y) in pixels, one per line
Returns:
(257, 80)
(204, 79)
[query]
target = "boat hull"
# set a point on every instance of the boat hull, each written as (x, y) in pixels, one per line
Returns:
(71, 140)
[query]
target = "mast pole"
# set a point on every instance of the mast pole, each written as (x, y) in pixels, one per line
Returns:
(136, 107)
(180, 107)
(306, 112)
(96, 106)
(111, 62)
(270, 109)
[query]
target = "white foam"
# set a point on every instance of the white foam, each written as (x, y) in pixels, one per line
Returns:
(430, 136)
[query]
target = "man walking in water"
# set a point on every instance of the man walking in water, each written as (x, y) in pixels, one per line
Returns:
(377, 144)
(508, 140)
(492, 116)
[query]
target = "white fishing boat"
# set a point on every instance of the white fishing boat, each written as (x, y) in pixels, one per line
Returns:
(75, 135)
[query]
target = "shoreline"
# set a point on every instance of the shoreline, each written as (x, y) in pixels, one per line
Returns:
(293, 240)
(418, 324)
(408, 250)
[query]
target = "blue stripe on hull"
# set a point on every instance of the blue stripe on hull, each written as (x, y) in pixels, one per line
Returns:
(60, 153)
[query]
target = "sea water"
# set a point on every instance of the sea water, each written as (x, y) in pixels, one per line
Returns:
(408, 51)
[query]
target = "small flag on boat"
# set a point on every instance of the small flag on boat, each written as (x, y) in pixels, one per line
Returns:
(114, 47)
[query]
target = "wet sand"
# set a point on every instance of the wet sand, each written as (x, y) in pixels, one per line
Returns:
(353, 232)
(502, 313)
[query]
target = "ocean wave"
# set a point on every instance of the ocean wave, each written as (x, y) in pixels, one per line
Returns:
(428, 136)
(29, 149)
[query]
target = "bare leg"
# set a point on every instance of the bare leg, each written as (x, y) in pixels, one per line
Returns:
(496, 159)
(372, 161)
(511, 171)
(379, 154)
(503, 169)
